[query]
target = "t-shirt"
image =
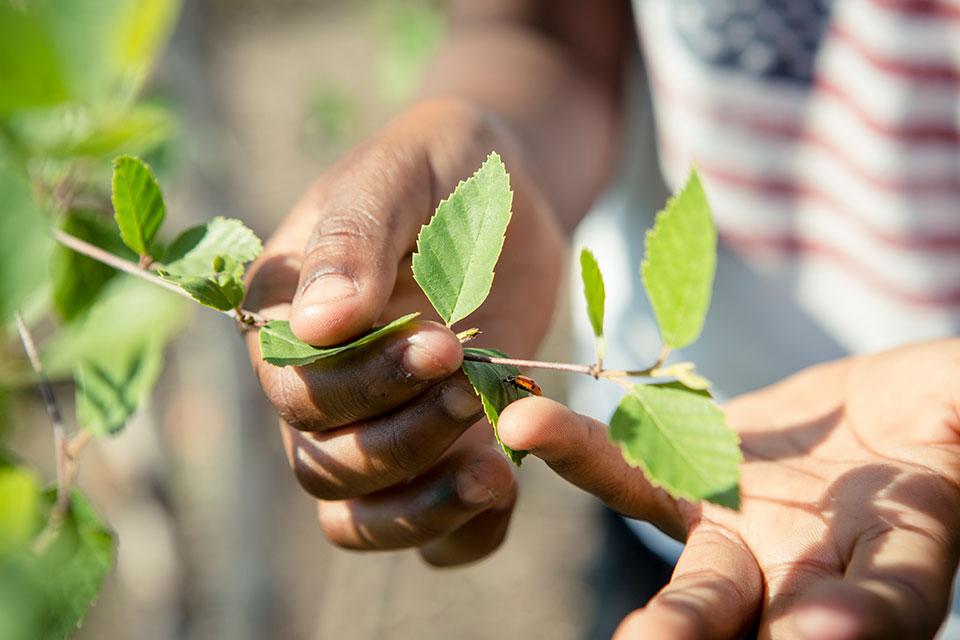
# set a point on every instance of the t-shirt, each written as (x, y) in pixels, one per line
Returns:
(827, 136)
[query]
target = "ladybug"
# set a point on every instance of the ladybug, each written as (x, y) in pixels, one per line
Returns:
(525, 384)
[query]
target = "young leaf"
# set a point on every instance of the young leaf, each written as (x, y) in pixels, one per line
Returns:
(595, 294)
(112, 385)
(678, 269)
(489, 381)
(221, 287)
(679, 438)
(194, 250)
(281, 348)
(458, 249)
(137, 203)
(77, 279)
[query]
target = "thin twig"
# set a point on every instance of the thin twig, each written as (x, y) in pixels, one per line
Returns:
(243, 317)
(62, 504)
(76, 444)
(587, 369)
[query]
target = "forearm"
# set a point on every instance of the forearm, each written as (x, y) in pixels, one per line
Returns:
(551, 73)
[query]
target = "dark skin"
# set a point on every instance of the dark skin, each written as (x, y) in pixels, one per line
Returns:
(842, 517)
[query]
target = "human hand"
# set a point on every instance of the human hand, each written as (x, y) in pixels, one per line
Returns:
(382, 435)
(848, 526)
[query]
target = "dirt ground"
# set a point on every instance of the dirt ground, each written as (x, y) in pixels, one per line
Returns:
(217, 541)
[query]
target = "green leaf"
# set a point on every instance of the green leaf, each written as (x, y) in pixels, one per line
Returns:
(221, 287)
(281, 348)
(138, 130)
(194, 250)
(111, 386)
(595, 295)
(24, 244)
(19, 507)
(31, 75)
(137, 203)
(458, 249)
(46, 593)
(680, 440)
(490, 383)
(678, 269)
(77, 280)
(127, 313)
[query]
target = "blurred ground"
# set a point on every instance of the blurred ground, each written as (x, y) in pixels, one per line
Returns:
(217, 541)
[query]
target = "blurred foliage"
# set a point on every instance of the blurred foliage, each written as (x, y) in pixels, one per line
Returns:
(70, 74)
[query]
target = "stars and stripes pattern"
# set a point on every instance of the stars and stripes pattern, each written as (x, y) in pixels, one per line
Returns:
(827, 133)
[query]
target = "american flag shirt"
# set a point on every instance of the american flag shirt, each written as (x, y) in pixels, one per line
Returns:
(827, 134)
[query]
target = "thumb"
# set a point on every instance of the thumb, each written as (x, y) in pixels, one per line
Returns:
(367, 213)
(579, 450)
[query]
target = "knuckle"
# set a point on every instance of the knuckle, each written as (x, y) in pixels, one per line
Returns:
(402, 456)
(315, 479)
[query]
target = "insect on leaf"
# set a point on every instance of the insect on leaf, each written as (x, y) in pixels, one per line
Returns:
(679, 438)
(221, 287)
(138, 204)
(281, 348)
(489, 381)
(458, 249)
(678, 269)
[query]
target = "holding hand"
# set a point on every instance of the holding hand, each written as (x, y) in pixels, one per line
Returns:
(381, 435)
(850, 491)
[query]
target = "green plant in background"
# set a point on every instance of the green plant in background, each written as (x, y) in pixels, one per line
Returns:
(71, 71)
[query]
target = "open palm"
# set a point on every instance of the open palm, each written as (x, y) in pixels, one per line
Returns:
(850, 490)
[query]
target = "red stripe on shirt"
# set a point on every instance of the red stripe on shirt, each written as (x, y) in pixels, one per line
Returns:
(802, 246)
(801, 189)
(913, 72)
(921, 8)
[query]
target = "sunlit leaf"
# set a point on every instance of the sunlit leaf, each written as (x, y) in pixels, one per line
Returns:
(678, 269)
(194, 250)
(220, 287)
(458, 249)
(138, 204)
(679, 438)
(280, 347)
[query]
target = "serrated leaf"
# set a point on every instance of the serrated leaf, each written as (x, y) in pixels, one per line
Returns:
(281, 348)
(221, 287)
(77, 280)
(679, 265)
(458, 249)
(194, 250)
(111, 386)
(490, 383)
(138, 203)
(595, 295)
(680, 440)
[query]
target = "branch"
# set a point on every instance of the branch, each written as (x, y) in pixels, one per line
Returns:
(243, 317)
(592, 370)
(62, 504)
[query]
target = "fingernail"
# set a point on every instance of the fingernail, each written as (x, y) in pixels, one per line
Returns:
(823, 623)
(460, 404)
(472, 492)
(327, 288)
(431, 354)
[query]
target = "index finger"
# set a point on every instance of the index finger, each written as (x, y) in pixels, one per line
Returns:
(362, 382)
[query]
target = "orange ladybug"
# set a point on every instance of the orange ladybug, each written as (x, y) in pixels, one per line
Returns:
(525, 384)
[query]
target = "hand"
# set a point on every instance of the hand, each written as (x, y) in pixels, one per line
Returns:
(382, 435)
(848, 526)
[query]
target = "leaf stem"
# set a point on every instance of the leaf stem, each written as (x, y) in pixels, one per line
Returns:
(592, 370)
(64, 479)
(244, 318)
